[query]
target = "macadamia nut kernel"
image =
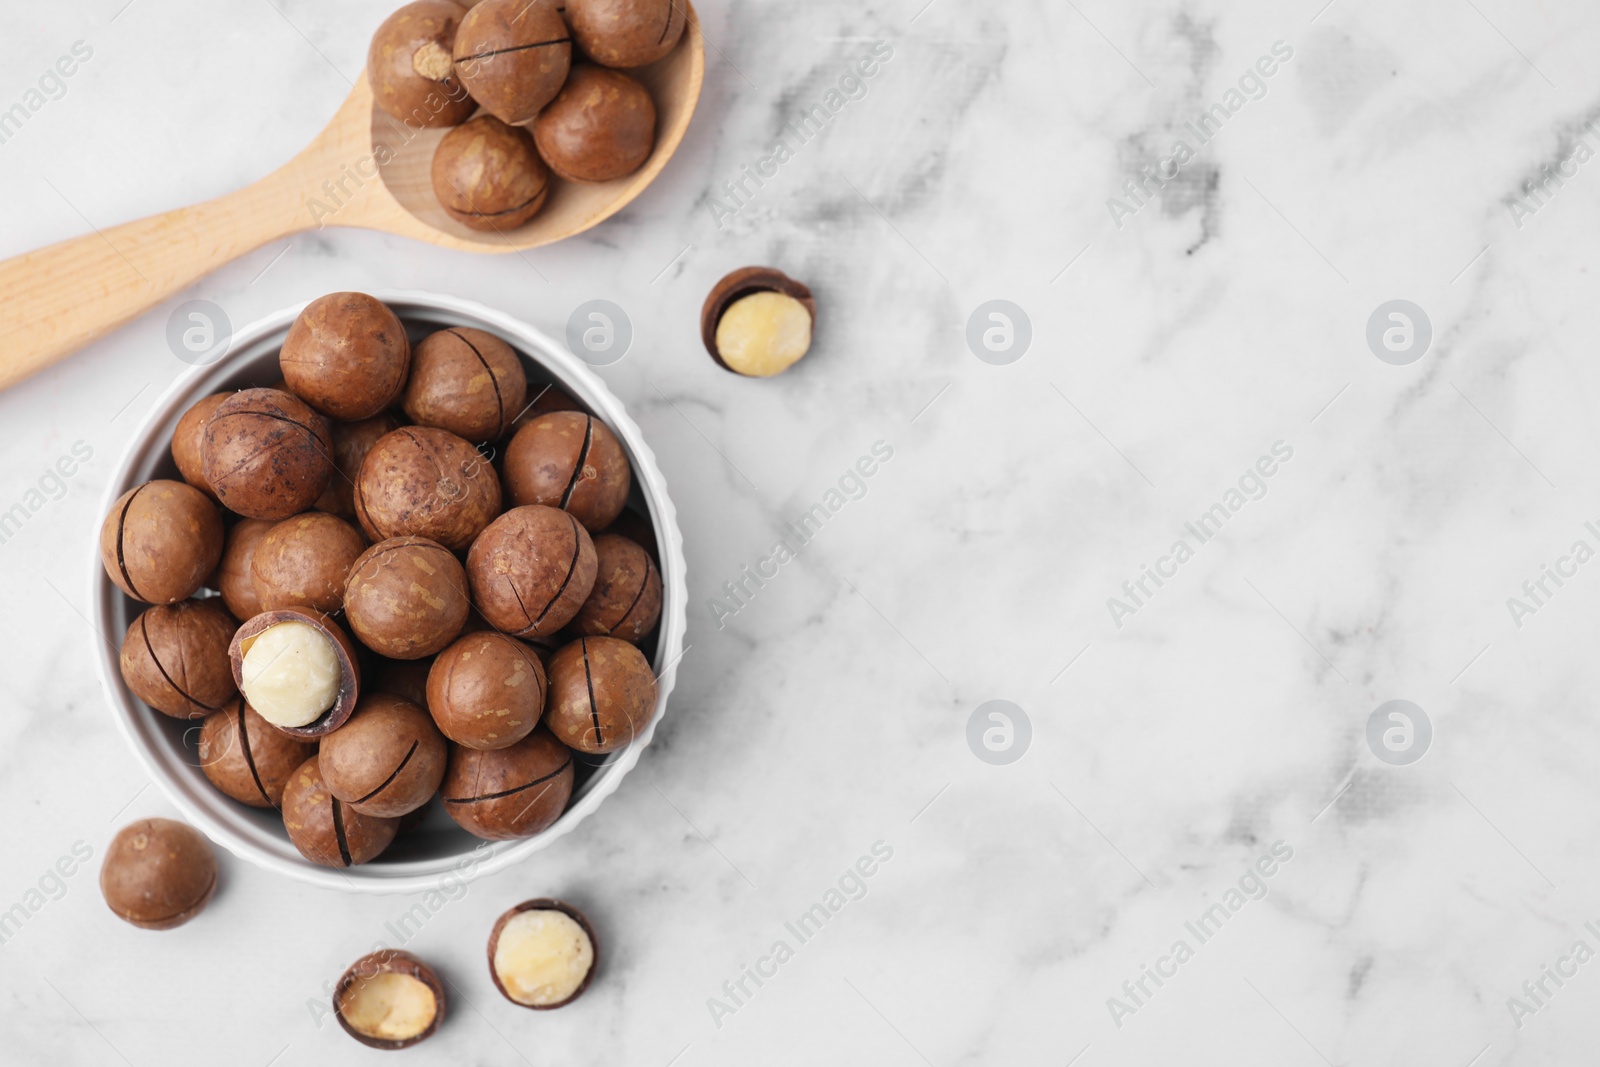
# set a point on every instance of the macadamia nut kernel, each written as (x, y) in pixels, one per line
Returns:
(542, 957)
(291, 674)
(764, 334)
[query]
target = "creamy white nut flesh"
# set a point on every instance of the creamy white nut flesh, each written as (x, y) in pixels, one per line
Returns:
(764, 334)
(291, 674)
(542, 957)
(391, 1006)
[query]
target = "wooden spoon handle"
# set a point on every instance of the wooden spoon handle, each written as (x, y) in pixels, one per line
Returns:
(58, 299)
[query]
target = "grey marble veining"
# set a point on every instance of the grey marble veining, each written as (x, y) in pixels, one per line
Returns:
(1187, 735)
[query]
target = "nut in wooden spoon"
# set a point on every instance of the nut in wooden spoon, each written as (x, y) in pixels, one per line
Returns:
(365, 170)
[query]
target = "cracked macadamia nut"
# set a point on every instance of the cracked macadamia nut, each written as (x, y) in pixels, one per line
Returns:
(572, 461)
(510, 792)
(346, 355)
(409, 65)
(267, 454)
(303, 561)
(387, 760)
(186, 440)
(513, 56)
(424, 482)
(351, 443)
(758, 322)
(602, 125)
(326, 831)
(161, 541)
(626, 599)
(235, 579)
(466, 381)
(542, 954)
(531, 570)
(602, 694)
(389, 1000)
(158, 874)
(297, 669)
(488, 176)
(246, 758)
(175, 658)
(626, 33)
(486, 691)
(406, 597)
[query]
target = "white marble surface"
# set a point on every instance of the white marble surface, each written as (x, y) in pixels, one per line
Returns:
(1226, 715)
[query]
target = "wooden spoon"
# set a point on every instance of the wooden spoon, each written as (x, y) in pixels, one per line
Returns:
(365, 169)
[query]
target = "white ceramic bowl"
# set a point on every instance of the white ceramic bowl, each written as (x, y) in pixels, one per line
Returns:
(437, 850)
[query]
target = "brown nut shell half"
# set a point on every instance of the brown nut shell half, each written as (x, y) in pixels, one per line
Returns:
(186, 440)
(486, 690)
(425, 482)
(371, 966)
(626, 599)
(267, 454)
(531, 570)
(572, 461)
(602, 694)
(488, 176)
(406, 598)
(303, 562)
(323, 829)
(736, 286)
(387, 760)
(466, 381)
(158, 874)
(409, 66)
(175, 658)
(511, 792)
(247, 758)
(235, 580)
(161, 541)
(346, 355)
(601, 126)
(513, 56)
(351, 443)
(544, 904)
(344, 650)
(627, 33)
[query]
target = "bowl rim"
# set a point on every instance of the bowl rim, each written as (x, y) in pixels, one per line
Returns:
(486, 858)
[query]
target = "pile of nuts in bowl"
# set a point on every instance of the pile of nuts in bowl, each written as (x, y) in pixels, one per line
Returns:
(396, 619)
(551, 84)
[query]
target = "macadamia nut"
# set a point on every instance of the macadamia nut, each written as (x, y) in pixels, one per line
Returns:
(764, 334)
(391, 1006)
(542, 957)
(291, 674)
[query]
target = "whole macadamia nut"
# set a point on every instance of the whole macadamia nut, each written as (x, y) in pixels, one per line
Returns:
(510, 792)
(324, 829)
(303, 561)
(351, 443)
(161, 541)
(246, 758)
(486, 691)
(267, 454)
(409, 65)
(542, 954)
(424, 482)
(235, 579)
(626, 33)
(175, 658)
(513, 56)
(531, 570)
(406, 597)
(572, 461)
(346, 355)
(186, 440)
(387, 760)
(488, 176)
(626, 599)
(602, 694)
(602, 125)
(158, 874)
(466, 381)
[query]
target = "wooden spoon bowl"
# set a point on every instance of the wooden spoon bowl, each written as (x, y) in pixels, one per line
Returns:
(364, 170)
